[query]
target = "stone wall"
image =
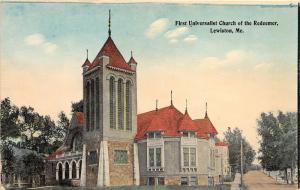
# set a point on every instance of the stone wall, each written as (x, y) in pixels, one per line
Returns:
(120, 174)
(92, 169)
(50, 173)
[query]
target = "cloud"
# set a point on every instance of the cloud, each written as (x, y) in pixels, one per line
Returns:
(34, 39)
(173, 41)
(231, 58)
(49, 47)
(190, 39)
(157, 27)
(40, 41)
(175, 33)
(262, 66)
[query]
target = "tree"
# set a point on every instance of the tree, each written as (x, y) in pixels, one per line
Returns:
(9, 120)
(47, 136)
(31, 124)
(234, 137)
(8, 159)
(268, 129)
(77, 106)
(34, 165)
(62, 125)
(278, 145)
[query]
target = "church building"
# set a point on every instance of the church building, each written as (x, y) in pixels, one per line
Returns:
(109, 144)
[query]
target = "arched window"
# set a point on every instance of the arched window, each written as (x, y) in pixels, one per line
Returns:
(73, 170)
(67, 170)
(60, 171)
(120, 104)
(97, 103)
(112, 113)
(92, 105)
(77, 142)
(128, 105)
(87, 105)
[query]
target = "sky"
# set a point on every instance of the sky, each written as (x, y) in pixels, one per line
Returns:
(43, 45)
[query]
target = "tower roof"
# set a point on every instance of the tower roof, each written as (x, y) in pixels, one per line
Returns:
(132, 60)
(116, 60)
(86, 63)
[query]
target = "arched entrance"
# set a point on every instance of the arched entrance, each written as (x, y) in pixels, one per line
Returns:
(73, 170)
(67, 170)
(60, 172)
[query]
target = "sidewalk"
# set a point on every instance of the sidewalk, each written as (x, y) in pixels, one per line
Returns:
(257, 180)
(235, 185)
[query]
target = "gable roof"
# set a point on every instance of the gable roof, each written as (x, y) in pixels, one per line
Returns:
(116, 60)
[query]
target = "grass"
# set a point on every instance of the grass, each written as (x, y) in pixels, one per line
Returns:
(217, 187)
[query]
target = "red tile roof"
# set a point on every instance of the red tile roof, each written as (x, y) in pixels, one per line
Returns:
(164, 119)
(220, 143)
(116, 59)
(54, 154)
(187, 124)
(205, 126)
(79, 117)
(171, 122)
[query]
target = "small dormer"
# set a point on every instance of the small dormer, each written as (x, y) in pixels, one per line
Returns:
(189, 134)
(154, 134)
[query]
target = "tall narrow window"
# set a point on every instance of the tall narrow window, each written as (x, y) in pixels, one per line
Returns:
(112, 113)
(128, 106)
(120, 104)
(186, 157)
(158, 157)
(151, 157)
(87, 105)
(193, 157)
(97, 103)
(92, 104)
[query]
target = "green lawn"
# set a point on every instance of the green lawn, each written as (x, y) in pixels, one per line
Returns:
(217, 187)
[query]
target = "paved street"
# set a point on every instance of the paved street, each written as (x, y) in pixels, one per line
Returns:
(257, 180)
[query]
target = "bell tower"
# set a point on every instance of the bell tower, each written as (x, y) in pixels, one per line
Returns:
(110, 110)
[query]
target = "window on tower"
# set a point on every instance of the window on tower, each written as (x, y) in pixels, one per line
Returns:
(92, 105)
(112, 113)
(97, 103)
(120, 104)
(87, 105)
(128, 106)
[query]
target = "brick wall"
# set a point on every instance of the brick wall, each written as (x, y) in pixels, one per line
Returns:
(120, 174)
(143, 180)
(202, 180)
(172, 180)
